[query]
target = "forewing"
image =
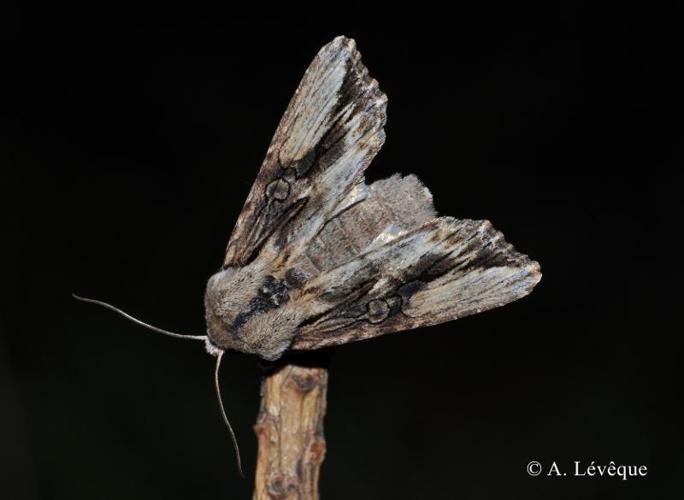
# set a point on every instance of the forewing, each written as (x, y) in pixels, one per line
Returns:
(328, 135)
(359, 261)
(440, 271)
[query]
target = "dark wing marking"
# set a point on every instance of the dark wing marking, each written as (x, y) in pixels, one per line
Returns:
(359, 261)
(328, 135)
(441, 271)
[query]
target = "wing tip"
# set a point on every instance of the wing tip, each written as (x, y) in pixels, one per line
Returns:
(341, 43)
(343, 40)
(534, 273)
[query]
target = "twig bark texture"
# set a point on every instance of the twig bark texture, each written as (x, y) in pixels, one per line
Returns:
(289, 429)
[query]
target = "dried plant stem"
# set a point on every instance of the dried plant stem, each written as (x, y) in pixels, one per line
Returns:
(289, 429)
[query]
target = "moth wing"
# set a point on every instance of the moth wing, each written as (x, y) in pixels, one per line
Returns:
(440, 271)
(389, 208)
(330, 132)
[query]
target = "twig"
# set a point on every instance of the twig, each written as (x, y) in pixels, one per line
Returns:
(289, 429)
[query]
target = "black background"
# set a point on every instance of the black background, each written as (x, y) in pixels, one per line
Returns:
(131, 139)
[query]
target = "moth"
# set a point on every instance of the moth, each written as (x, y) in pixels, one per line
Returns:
(319, 258)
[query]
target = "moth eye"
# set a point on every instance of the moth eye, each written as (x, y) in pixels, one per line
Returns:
(279, 189)
(378, 310)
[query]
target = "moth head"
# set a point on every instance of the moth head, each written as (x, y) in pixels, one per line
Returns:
(244, 312)
(223, 301)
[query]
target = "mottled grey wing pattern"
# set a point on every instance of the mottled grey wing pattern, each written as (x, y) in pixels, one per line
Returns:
(351, 261)
(328, 135)
(443, 270)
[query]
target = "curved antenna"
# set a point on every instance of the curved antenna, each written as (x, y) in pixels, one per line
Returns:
(223, 413)
(135, 320)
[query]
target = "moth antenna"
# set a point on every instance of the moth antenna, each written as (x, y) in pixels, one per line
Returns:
(135, 320)
(223, 413)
